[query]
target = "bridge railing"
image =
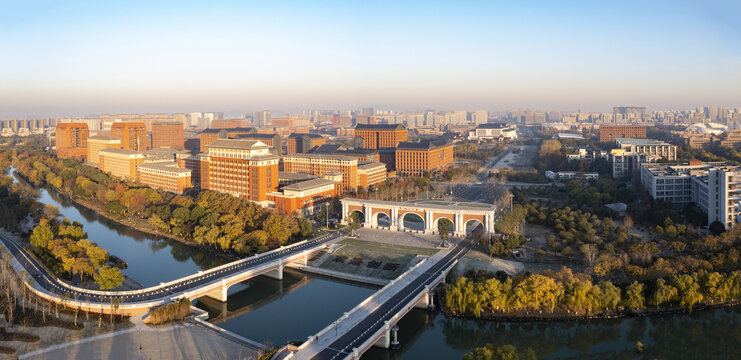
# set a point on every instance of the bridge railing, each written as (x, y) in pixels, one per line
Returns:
(360, 306)
(183, 279)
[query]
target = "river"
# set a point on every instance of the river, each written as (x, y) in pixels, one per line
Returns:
(273, 311)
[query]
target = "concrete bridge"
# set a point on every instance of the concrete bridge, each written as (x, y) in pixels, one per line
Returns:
(213, 283)
(392, 215)
(374, 321)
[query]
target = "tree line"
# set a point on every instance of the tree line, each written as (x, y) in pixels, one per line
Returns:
(563, 292)
(219, 220)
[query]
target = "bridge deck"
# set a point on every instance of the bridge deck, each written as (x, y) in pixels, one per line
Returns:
(356, 328)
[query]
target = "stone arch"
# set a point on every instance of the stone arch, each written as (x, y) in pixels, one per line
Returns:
(360, 213)
(382, 219)
(412, 221)
(472, 224)
(443, 218)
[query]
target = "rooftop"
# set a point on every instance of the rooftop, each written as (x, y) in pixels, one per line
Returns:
(639, 142)
(167, 166)
(422, 145)
(242, 144)
(167, 123)
(371, 165)
(295, 176)
(328, 148)
(230, 130)
(380, 127)
(308, 184)
(296, 135)
(320, 156)
(494, 126)
(121, 151)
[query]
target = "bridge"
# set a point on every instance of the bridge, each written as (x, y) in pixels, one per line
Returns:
(392, 215)
(213, 283)
(373, 322)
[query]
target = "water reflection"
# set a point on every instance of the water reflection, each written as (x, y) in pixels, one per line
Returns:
(701, 335)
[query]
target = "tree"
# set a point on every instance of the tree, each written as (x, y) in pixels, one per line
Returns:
(353, 221)
(108, 278)
(41, 235)
(279, 228)
(444, 227)
(634, 296)
(663, 293)
(590, 253)
(304, 227)
(688, 290)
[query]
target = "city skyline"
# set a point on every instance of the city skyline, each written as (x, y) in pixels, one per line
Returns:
(80, 58)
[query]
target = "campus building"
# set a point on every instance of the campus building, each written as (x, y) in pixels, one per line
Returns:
(164, 175)
(210, 135)
(358, 152)
(306, 196)
(243, 168)
(714, 187)
(371, 173)
(275, 141)
(493, 132)
(121, 163)
(633, 152)
(380, 136)
(320, 164)
(167, 134)
(303, 143)
(97, 143)
(133, 135)
(71, 140)
(198, 168)
(416, 158)
(608, 133)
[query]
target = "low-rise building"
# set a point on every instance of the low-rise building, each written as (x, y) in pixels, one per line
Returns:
(306, 196)
(625, 164)
(164, 175)
(288, 178)
(569, 175)
(647, 147)
(714, 187)
(371, 173)
(320, 164)
(609, 133)
(298, 143)
(97, 143)
(121, 163)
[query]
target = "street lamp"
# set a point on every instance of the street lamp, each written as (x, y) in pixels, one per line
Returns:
(327, 215)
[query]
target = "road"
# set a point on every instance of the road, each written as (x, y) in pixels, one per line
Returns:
(49, 282)
(371, 324)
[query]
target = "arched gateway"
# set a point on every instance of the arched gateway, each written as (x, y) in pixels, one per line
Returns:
(394, 215)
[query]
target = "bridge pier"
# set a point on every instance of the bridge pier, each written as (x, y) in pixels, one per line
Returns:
(276, 274)
(385, 340)
(219, 294)
(427, 301)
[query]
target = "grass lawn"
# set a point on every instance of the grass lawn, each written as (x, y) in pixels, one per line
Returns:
(367, 258)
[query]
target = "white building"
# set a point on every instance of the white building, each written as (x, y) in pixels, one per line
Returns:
(493, 132)
(714, 187)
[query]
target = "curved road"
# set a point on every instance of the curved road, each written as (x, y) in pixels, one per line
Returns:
(355, 337)
(49, 282)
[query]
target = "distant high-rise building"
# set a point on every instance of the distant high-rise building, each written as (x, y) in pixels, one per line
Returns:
(711, 113)
(481, 117)
(630, 114)
(262, 118)
(368, 111)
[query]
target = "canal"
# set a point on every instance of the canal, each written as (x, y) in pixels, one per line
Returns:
(275, 312)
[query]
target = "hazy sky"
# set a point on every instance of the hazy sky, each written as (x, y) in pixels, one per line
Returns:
(78, 57)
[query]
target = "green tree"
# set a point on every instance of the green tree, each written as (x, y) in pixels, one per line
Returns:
(688, 290)
(304, 227)
(664, 293)
(41, 235)
(108, 278)
(444, 227)
(634, 296)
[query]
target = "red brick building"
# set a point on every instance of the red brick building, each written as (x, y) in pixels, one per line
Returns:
(71, 140)
(133, 135)
(303, 143)
(416, 158)
(167, 134)
(608, 133)
(381, 136)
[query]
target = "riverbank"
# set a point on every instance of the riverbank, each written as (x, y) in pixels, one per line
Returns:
(540, 316)
(139, 225)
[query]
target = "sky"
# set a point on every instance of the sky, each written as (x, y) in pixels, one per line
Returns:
(76, 58)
